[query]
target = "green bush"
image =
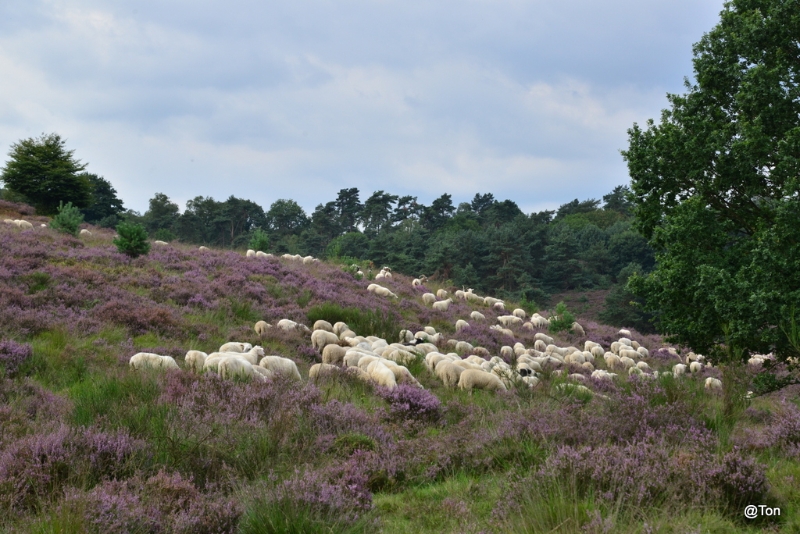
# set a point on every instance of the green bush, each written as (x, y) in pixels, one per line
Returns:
(68, 219)
(132, 239)
(562, 320)
(259, 240)
(162, 234)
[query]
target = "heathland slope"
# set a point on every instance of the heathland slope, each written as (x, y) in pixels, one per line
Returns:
(89, 445)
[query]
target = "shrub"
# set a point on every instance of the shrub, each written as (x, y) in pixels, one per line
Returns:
(68, 219)
(162, 234)
(13, 355)
(562, 319)
(132, 239)
(259, 240)
(411, 402)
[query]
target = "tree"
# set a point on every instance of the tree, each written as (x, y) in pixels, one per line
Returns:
(68, 219)
(163, 213)
(132, 239)
(44, 172)
(286, 217)
(105, 203)
(618, 200)
(715, 187)
(377, 212)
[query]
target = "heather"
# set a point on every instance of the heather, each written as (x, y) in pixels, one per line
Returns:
(88, 445)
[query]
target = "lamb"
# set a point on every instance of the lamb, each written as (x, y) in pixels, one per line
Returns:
(428, 298)
(261, 328)
(714, 384)
(321, 338)
(195, 359)
(442, 305)
(442, 294)
(477, 316)
(474, 379)
(280, 365)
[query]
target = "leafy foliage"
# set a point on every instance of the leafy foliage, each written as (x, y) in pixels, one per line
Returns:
(68, 219)
(105, 203)
(259, 240)
(46, 174)
(562, 319)
(132, 239)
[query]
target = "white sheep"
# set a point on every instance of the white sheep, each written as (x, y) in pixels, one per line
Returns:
(544, 337)
(519, 312)
(25, 225)
(428, 298)
(160, 243)
(262, 255)
(678, 369)
(442, 305)
(477, 316)
(461, 324)
(262, 327)
(713, 384)
(625, 333)
(612, 360)
(235, 346)
(695, 367)
(319, 370)
(416, 282)
(289, 325)
(229, 368)
(577, 329)
(509, 320)
(333, 354)
(250, 253)
(203, 249)
(142, 360)
(442, 294)
(474, 379)
(449, 373)
(195, 359)
(280, 365)
(381, 374)
(644, 352)
(384, 292)
(321, 338)
(321, 324)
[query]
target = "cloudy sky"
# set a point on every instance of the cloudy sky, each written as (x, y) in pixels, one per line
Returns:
(528, 100)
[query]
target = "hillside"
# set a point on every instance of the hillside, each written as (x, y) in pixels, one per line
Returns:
(89, 445)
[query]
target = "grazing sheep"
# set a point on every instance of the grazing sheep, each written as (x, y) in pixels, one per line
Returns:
(625, 341)
(428, 298)
(333, 354)
(25, 225)
(463, 346)
(544, 337)
(442, 305)
(628, 353)
(262, 255)
(612, 360)
(635, 344)
(713, 384)
(261, 328)
(250, 253)
(384, 292)
(323, 325)
(644, 352)
(160, 243)
(232, 367)
(321, 338)
(381, 374)
(449, 373)
(461, 324)
(474, 379)
(289, 325)
(519, 312)
(235, 346)
(695, 367)
(625, 333)
(142, 360)
(259, 371)
(678, 369)
(643, 366)
(442, 294)
(477, 316)
(578, 330)
(251, 356)
(195, 359)
(203, 249)
(280, 365)
(319, 370)
(416, 282)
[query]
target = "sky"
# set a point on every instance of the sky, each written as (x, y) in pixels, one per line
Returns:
(528, 100)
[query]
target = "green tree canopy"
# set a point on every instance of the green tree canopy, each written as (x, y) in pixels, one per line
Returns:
(44, 172)
(715, 186)
(105, 202)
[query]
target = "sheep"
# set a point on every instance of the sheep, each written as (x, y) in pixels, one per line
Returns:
(195, 359)
(381, 374)
(384, 292)
(321, 324)
(235, 346)
(250, 253)
(461, 324)
(612, 360)
(333, 354)
(442, 305)
(442, 294)
(460, 294)
(261, 328)
(635, 344)
(348, 333)
(289, 325)
(634, 371)
(320, 369)
(416, 282)
(428, 298)
(491, 301)
(577, 329)
(626, 353)
(519, 312)
(449, 373)
(25, 225)
(625, 333)
(714, 384)
(644, 352)
(539, 345)
(160, 243)
(340, 327)
(259, 371)
(695, 367)
(142, 360)
(262, 255)
(203, 249)
(474, 379)
(678, 369)
(477, 316)
(251, 355)
(308, 260)
(406, 336)
(231, 367)
(626, 362)
(321, 338)
(472, 297)
(400, 356)
(643, 366)
(280, 365)
(544, 337)
(463, 346)
(625, 341)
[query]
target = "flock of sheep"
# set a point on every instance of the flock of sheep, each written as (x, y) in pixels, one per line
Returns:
(25, 225)
(456, 363)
